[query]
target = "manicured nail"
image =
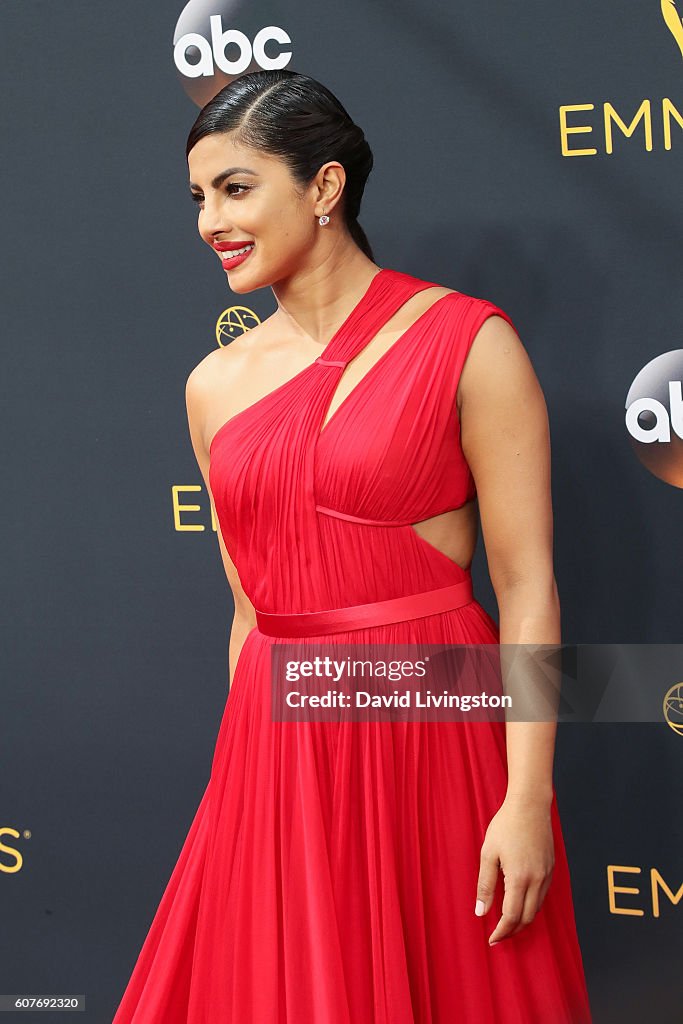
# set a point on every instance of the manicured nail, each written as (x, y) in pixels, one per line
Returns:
(479, 908)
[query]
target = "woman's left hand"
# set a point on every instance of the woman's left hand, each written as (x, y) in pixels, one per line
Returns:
(519, 840)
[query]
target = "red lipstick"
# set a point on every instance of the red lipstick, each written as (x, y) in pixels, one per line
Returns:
(228, 262)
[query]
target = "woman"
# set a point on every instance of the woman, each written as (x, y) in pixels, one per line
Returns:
(350, 871)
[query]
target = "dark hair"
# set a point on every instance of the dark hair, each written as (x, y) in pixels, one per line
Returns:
(294, 117)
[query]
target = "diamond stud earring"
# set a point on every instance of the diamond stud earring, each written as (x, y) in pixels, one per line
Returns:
(323, 220)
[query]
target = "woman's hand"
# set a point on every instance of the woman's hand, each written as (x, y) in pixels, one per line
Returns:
(519, 840)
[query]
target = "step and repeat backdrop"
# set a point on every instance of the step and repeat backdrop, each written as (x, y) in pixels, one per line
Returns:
(530, 154)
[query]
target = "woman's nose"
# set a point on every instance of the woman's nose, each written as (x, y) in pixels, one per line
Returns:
(213, 218)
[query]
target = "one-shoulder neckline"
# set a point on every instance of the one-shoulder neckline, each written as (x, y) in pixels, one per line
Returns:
(383, 271)
(355, 309)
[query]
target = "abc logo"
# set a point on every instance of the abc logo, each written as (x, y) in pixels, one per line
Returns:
(209, 51)
(654, 416)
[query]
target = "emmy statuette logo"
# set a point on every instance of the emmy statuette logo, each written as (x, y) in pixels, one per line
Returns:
(233, 321)
(673, 708)
(673, 21)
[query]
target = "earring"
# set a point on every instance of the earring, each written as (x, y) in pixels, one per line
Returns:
(323, 220)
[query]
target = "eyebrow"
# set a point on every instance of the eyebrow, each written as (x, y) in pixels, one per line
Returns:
(220, 178)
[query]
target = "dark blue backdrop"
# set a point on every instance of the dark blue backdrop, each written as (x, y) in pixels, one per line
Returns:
(117, 621)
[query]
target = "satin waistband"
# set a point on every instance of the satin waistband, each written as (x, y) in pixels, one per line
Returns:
(361, 616)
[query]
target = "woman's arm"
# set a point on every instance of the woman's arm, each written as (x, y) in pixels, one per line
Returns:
(506, 440)
(241, 627)
(197, 396)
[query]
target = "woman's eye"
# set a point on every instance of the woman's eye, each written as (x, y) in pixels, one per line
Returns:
(198, 198)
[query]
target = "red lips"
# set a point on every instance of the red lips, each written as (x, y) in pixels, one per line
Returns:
(229, 246)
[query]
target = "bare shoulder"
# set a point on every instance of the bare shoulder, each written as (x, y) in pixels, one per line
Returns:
(497, 363)
(437, 291)
(428, 296)
(496, 338)
(217, 375)
(413, 307)
(227, 359)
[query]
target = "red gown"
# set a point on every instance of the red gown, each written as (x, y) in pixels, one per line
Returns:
(329, 875)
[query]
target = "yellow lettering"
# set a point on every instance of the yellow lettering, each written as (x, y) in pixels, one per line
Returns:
(643, 112)
(667, 110)
(19, 860)
(566, 131)
(656, 881)
(178, 508)
(612, 889)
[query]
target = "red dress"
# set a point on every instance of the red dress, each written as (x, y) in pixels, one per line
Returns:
(329, 875)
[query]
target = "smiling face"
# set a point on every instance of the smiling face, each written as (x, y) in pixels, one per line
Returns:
(247, 198)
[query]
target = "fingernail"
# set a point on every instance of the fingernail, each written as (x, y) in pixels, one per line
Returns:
(494, 943)
(479, 908)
